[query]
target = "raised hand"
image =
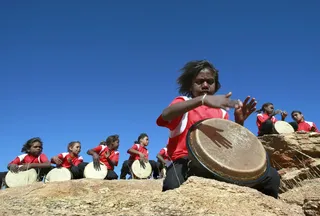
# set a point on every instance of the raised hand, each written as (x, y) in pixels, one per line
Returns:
(220, 101)
(244, 109)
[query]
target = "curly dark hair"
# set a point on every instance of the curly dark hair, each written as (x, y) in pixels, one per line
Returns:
(112, 139)
(190, 71)
(26, 147)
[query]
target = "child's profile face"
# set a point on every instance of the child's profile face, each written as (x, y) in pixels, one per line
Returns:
(203, 83)
(75, 149)
(269, 109)
(35, 149)
(297, 116)
(115, 145)
(145, 141)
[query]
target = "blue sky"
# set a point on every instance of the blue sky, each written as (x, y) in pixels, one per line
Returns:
(74, 70)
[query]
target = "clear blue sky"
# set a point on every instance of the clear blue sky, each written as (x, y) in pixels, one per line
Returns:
(74, 70)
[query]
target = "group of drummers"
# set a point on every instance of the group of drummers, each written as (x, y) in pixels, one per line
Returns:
(202, 142)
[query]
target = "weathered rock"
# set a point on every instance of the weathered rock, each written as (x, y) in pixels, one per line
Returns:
(197, 196)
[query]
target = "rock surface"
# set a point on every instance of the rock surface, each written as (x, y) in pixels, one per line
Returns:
(296, 156)
(197, 196)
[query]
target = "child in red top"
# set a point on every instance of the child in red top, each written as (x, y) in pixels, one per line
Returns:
(139, 152)
(266, 119)
(33, 158)
(199, 81)
(107, 154)
(71, 160)
(163, 158)
(303, 125)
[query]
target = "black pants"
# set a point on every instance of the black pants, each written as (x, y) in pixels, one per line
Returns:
(77, 171)
(112, 175)
(126, 168)
(178, 172)
(267, 127)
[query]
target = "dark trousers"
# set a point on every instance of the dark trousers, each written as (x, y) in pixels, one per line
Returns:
(112, 175)
(267, 127)
(178, 172)
(126, 169)
(77, 171)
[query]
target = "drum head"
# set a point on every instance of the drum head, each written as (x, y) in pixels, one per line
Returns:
(227, 150)
(21, 178)
(283, 127)
(139, 171)
(58, 174)
(91, 172)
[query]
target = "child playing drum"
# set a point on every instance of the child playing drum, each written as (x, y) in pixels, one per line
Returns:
(107, 154)
(200, 81)
(139, 152)
(163, 159)
(266, 119)
(71, 160)
(32, 159)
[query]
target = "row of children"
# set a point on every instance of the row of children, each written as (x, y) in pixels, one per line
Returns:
(266, 120)
(105, 153)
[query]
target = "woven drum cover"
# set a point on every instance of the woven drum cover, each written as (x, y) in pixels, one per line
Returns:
(58, 174)
(283, 127)
(139, 171)
(92, 173)
(21, 178)
(228, 149)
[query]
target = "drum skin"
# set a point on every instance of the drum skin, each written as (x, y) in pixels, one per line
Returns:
(58, 174)
(92, 173)
(139, 171)
(226, 151)
(21, 178)
(282, 127)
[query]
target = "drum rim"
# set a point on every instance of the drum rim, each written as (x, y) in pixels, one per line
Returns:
(34, 171)
(84, 171)
(138, 176)
(283, 123)
(216, 175)
(62, 168)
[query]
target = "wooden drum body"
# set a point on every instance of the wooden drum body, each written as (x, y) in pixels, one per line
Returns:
(22, 178)
(58, 174)
(139, 171)
(282, 127)
(92, 173)
(226, 151)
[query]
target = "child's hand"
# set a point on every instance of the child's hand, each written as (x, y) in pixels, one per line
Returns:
(96, 162)
(220, 101)
(14, 168)
(57, 160)
(143, 157)
(24, 167)
(70, 161)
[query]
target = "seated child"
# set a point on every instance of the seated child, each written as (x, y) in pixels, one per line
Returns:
(198, 83)
(163, 159)
(71, 160)
(107, 154)
(32, 159)
(139, 152)
(303, 125)
(266, 119)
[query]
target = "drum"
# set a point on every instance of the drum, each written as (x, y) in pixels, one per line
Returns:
(282, 127)
(22, 178)
(58, 174)
(139, 171)
(92, 173)
(226, 151)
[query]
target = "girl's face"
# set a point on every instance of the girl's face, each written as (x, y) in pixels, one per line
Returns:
(115, 145)
(203, 83)
(75, 149)
(145, 141)
(35, 149)
(269, 109)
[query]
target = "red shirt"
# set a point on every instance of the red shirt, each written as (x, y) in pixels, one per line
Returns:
(164, 154)
(101, 150)
(306, 126)
(27, 158)
(138, 148)
(65, 163)
(179, 127)
(262, 117)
